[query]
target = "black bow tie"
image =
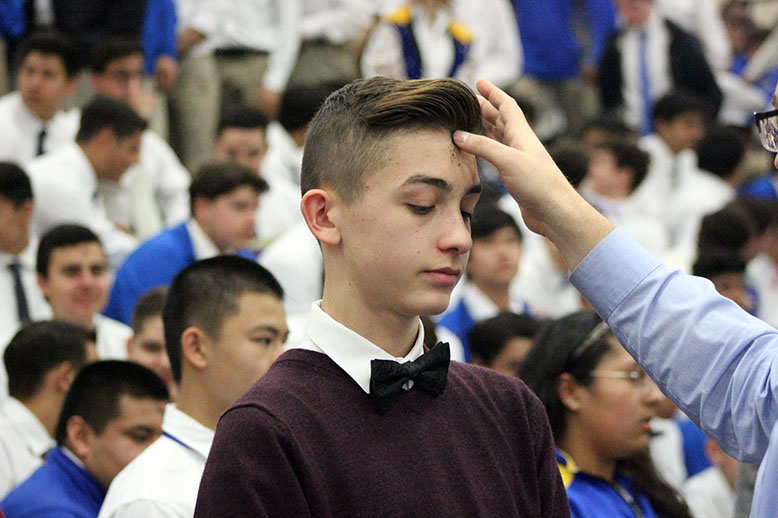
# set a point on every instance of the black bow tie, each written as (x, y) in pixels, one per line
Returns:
(428, 373)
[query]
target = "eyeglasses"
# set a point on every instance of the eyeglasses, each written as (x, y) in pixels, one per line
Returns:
(767, 125)
(639, 379)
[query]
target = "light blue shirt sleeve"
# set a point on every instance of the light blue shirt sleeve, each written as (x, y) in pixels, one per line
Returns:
(717, 362)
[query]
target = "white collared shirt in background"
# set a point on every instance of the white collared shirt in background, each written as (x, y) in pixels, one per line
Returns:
(709, 495)
(36, 303)
(336, 21)
(202, 245)
(164, 479)
(112, 337)
(23, 443)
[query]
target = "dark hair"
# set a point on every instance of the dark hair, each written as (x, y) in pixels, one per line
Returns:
(629, 156)
(676, 103)
(572, 160)
(205, 293)
(488, 337)
(96, 392)
(613, 127)
(347, 137)
(721, 151)
(149, 305)
(60, 237)
(37, 348)
(50, 43)
(488, 219)
(300, 103)
(112, 48)
(242, 116)
(216, 179)
(575, 344)
(14, 184)
(734, 225)
(713, 262)
(103, 112)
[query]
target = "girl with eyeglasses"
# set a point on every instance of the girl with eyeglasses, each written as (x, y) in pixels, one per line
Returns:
(599, 403)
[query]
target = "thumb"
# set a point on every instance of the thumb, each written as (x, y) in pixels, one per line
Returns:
(483, 147)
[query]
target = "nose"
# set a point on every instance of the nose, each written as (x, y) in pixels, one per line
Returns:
(652, 393)
(455, 234)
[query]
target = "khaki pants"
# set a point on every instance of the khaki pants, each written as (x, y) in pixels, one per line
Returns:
(194, 110)
(241, 78)
(325, 63)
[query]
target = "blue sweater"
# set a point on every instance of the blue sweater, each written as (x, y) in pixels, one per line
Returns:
(154, 263)
(58, 489)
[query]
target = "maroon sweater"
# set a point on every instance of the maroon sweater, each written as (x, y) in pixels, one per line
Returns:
(305, 440)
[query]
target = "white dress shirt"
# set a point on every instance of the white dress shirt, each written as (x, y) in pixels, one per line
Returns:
(278, 210)
(666, 449)
(19, 129)
(23, 442)
(335, 21)
(152, 194)
(266, 25)
(284, 158)
(202, 245)
(164, 479)
(762, 275)
(65, 191)
(36, 302)
(350, 351)
(204, 16)
(709, 495)
(112, 337)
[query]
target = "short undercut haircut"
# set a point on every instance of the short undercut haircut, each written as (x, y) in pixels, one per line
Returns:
(489, 337)
(37, 348)
(61, 236)
(50, 43)
(216, 179)
(206, 293)
(102, 112)
(347, 137)
(96, 392)
(14, 184)
(112, 48)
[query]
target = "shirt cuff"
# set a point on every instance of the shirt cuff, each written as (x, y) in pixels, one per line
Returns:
(611, 270)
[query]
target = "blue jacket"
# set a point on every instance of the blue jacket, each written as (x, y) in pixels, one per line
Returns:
(158, 34)
(154, 263)
(58, 489)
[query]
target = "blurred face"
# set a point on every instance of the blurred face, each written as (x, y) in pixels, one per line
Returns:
(732, 286)
(683, 132)
(249, 342)
(124, 438)
(43, 84)
(614, 413)
(604, 175)
(494, 259)
(411, 226)
(229, 220)
(121, 78)
(14, 226)
(147, 347)
(121, 153)
(634, 12)
(511, 358)
(77, 282)
(245, 146)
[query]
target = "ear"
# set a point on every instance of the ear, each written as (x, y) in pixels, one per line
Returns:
(320, 209)
(128, 346)
(199, 204)
(62, 377)
(568, 392)
(194, 348)
(79, 436)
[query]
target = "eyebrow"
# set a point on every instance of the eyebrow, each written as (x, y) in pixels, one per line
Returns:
(438, 183)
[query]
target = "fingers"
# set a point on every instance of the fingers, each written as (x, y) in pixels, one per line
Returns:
(484, 147)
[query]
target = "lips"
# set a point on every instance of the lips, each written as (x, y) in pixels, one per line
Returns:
(445, 275)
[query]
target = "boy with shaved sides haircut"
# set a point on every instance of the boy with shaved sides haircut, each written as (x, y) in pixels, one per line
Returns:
(224, 325)
(358, 420)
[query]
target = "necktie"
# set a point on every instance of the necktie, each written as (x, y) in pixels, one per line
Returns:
(428, 373)
(21, 301)
(645, 87)
(41, 139)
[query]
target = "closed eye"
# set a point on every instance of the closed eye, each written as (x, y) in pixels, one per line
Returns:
(420, 209)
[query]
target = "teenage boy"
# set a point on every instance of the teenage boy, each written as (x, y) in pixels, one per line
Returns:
(493, 263)
(502, 342)
(224, 325)
(65, 182)
(32, 121)
(112, 412)
(224, 201)
(389, 197)
(42, 360)
(73, 276)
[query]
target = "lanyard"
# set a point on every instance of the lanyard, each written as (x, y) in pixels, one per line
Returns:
(179, 441)
(624, 494)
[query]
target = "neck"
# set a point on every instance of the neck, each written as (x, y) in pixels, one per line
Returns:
(497, 294)
(392, 332)
(86, 323)
(198, 403)
(17, 247)
(93, 155)
(576, 443)
(45, 409)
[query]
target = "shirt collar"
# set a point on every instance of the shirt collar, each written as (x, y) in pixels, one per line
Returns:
(203, 247)
(35, 435)
(350, 351)
(26, 258)
(187, 432)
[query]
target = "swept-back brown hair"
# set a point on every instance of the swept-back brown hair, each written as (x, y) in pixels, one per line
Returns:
(347, 137)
